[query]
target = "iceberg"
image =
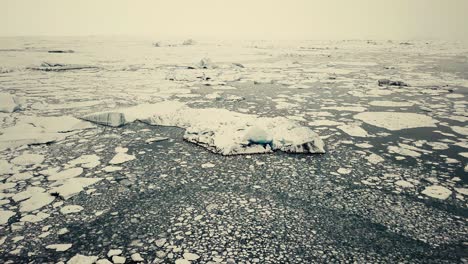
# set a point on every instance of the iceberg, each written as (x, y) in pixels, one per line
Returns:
(219, 130)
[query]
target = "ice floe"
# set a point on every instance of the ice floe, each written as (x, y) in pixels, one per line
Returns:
(354, 130)
(8, 103)
(39, 130)
(396, 120)
(438, 192)
(219, 130)
(59, 247)
(28, 159)
(5, 215)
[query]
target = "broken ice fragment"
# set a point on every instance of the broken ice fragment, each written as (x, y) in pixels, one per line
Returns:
(121, 157)
(59, 247)
(438, 192)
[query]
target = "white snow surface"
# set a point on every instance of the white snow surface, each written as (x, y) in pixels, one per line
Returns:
(219, 130)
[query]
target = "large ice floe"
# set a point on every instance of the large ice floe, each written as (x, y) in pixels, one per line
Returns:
(31, 130)
(219, 130)
(396, 120)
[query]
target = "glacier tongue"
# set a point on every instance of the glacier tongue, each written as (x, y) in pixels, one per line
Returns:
(220, 130)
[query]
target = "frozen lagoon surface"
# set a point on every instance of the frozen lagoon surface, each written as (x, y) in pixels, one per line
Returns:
(163, 186)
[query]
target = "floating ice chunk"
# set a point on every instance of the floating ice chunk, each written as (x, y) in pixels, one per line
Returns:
(354, 130)
(5, 215)
(120, 158)
(404, 184)
(346, 108)
(191, 256)
(460, 130)
(182, 261)
(114, 252)
(6, 186)
(71, 209)
(30, 191)
(155, 139)
(28, 159)
(60, 247)
(36, 201)
(374, 158)
(220, 130)
(438, 192)
(6, 168)
(73, 186)
(136, 257)
(207, 165)
(463, 191)
(344, 171)
(324, 123)
(8, 103)
(66, 174)
(404, 150)
(396, 120)
(82, 259)
(86, 161)
(111, 168)
(40, 130)
(34, 218)
(113, 119)
(391, 104)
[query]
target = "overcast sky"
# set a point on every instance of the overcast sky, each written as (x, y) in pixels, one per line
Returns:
(249, 19)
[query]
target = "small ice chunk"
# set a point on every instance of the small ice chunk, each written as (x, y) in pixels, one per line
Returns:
(207, 165)
(59, 247)
(374, 158)
(5, 215)
(120, 158)
(82, 259)
(191, 256)
(344, 171)
(136, 257)
(71, 209)
(437, 191)
(66, 174)
(86, 161)
(460, 130)
(34, 218)
(404, 184)
(118, 259)
(112, 168)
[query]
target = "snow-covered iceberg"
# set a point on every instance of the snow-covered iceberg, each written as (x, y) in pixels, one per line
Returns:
(219, 130)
